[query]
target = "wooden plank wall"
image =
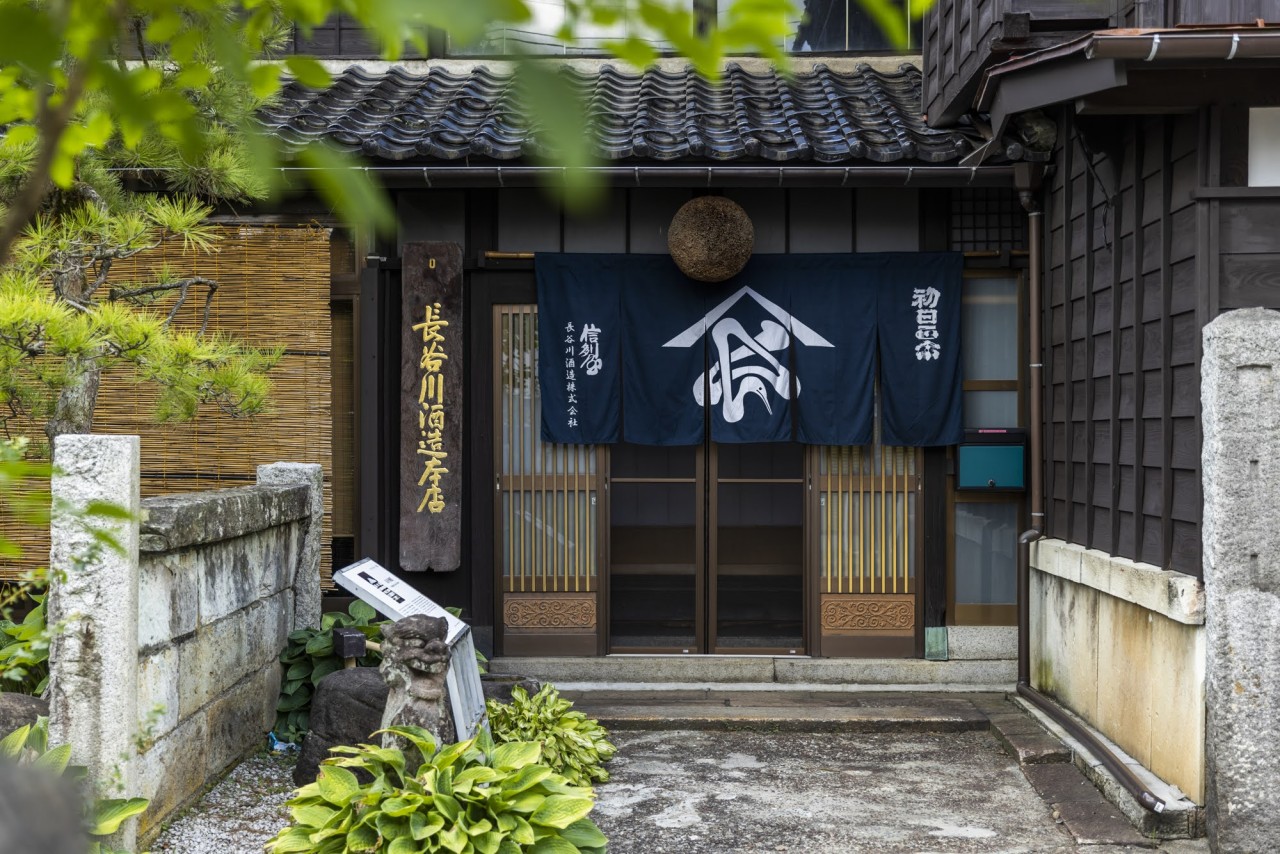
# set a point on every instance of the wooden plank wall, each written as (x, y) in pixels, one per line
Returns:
(1122, 332)
(636, 220)
(957, 38)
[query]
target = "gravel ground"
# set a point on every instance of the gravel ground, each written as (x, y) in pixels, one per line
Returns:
(238, 815)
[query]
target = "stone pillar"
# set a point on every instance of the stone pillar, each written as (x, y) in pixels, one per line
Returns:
(1240, 391)
(93, 596)
(306, 583)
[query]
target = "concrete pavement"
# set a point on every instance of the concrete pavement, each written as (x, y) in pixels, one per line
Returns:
(711, 770)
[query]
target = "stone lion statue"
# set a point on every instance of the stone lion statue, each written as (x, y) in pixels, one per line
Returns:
(415, 661)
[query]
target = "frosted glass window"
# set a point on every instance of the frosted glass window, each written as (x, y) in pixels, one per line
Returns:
(1264, 147)
(986, 553)
(989, 329)
(990, 409)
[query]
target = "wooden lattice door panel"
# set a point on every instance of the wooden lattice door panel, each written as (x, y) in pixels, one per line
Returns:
(547, 508)
(867, 550)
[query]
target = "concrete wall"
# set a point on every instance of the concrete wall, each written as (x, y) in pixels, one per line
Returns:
(1122, 644)
(178, 637)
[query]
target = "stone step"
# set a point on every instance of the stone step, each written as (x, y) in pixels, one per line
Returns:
(762, 672)
(778, 711)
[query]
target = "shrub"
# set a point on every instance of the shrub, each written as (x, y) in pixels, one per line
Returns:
(29, 745)
(309, 657)
(572, 744)
(467, 798)
(24, 652)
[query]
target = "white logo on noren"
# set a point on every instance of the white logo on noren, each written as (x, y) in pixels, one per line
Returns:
(743, 363)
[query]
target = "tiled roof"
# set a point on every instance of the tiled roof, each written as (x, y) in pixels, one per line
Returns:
(822, 116)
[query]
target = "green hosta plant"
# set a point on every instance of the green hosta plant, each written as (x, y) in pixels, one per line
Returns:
(29, 745)
(467, 798)
(309, 657)
(24, 652)
(573, 744)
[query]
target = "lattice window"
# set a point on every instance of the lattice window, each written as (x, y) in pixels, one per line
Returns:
(987, 219)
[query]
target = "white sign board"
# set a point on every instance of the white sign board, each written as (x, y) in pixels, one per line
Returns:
(393, 598)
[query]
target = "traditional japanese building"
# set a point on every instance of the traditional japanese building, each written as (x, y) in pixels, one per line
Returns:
(828, 501)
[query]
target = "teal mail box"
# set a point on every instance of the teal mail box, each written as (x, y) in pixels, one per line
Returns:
(991, 467)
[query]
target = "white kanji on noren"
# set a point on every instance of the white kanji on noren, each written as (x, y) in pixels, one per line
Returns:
(925, 302)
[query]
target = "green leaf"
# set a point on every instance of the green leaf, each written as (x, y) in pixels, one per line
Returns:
(584, 834)
(292, 840)
(517, 754)
(320, 646)
(110, 814)
(423, 825)
(346, 185)
(337, 785)
(560, 811)
(29, 37)
(362, 837)
(324, 667)
(447, 805)
(528, 776)
(553, 845)
(310, 73)
(361, 609)
(402, 845)
(11, 746)
(55, 760)
(107, 509)
(264, 79)
(312, 815)
(454, 839)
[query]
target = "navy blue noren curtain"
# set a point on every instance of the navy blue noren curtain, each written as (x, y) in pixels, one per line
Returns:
(664, 353)
(580, 347)
(788, 350)
(918, 319)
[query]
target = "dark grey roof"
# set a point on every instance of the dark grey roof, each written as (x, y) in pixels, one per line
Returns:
(823, 116)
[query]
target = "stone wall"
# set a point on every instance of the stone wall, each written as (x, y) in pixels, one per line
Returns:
(1122, 644)
(167, 673)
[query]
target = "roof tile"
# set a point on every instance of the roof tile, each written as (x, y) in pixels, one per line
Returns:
(822, 116)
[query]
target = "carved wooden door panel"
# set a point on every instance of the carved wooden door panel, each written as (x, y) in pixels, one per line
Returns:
(863, 516)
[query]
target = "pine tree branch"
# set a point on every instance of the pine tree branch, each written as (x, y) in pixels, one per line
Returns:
(180, 285)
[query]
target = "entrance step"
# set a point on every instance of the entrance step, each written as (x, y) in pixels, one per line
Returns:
(762, 673)
(781, 711)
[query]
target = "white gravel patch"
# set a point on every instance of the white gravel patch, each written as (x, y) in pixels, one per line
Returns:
(237, 816)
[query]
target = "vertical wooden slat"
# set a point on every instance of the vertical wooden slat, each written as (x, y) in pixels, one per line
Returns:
(906, 527)
(825, 456)
(1139, 382)
(883, 547)
(1166, 343)
(893, 508)
(862, 504)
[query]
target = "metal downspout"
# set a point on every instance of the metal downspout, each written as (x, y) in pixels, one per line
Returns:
(1028, 195)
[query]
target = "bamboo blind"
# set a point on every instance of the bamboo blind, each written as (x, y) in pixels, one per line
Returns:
(548, 493)
(273, 292)
(866, 519)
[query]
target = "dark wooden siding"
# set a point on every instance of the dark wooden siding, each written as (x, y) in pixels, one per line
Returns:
(962, 38)
(1122, 343)
(341, 36)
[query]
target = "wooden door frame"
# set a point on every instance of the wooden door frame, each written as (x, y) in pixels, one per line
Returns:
(486, 289)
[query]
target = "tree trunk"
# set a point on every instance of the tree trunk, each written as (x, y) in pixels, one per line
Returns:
(73, 411)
